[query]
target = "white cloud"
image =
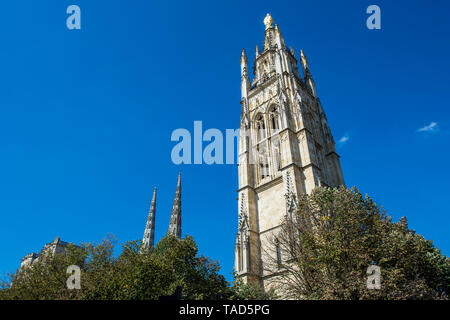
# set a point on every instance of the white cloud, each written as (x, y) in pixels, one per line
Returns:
(344, 139)
(432, 127)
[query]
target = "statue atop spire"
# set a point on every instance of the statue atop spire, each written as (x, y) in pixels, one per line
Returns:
(175, 218)
(268, 21)
(149, 234)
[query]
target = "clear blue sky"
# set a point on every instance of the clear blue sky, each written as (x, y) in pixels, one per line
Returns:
(86, 116)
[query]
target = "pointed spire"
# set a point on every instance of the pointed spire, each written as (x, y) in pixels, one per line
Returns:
(245, 80)
(257, 51)
(243, 55)
(279, 40)
(304, 61)
(175, 218)
(244, 63)
(149, 234)
(307, 74)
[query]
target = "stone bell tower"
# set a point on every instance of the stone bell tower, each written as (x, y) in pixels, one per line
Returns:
(285, 149)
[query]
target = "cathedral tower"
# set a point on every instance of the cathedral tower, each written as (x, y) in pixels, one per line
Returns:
(285, 149)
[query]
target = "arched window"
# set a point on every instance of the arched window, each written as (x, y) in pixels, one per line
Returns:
(260, 128)
(274, 120)
(277, 155)
(263, 161)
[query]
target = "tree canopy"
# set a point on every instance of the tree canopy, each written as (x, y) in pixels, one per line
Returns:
(336, 234)
(133, 274)
(326, 248)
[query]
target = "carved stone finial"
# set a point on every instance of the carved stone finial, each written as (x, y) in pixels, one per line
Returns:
(291, 198)
(243, 217)
(268, 21)
(304, 59)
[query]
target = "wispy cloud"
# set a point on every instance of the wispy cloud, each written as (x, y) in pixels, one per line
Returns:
(432, 127)
(343, 140)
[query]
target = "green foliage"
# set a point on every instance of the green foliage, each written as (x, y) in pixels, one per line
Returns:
(327, 247)
(248, 291)
(134, 274)
(337, 233)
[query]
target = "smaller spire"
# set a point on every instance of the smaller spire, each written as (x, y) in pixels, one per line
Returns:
(292, 51)
(179, 180)
(149, 234)
(245, 81)
(244, 64)
(279, 40)
(257, 51)
(175, 218)
(307, 74)
(243, 56)
(304, 60)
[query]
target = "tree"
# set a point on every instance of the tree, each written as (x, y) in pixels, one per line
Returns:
(336, 234)
(248, 291)
(133, 274)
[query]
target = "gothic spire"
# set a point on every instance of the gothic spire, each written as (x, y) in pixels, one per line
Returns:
(244, 64)
(245, 80)
(149, 234)
(304, 60)
(307, 74)
(175, 218)
(278, 37)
